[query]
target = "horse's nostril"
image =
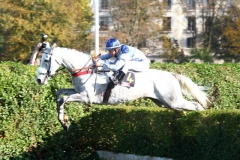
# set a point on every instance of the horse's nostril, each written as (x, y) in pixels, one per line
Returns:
(39, 81)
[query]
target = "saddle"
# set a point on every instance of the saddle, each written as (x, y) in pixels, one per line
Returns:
(127, 80)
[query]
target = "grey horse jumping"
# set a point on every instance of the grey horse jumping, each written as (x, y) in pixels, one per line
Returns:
(164, 88)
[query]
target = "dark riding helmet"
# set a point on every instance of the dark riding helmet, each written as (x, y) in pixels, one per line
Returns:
(112, 43)
(44, 37)
(44, 44)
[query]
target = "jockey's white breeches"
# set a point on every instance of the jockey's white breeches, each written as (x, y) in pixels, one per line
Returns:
(136, 66)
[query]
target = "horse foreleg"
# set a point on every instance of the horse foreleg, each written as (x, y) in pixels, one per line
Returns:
(61, 117)
(61, 100)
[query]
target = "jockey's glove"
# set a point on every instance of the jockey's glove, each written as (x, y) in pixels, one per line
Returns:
(94, 59)
(97, 61)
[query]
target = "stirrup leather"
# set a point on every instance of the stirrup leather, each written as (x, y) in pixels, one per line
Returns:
(113, 82)
(108, 91)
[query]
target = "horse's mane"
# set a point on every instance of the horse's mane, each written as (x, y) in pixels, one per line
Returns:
(69, 50)
(72, 57)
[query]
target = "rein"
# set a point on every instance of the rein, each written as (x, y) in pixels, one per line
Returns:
(88, 67)
(79, 69)
(88, 71)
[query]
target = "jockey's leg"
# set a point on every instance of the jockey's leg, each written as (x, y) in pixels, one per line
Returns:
(134, 65)
(118, 78)
(138, 66)
(112, 83)
(108, 91)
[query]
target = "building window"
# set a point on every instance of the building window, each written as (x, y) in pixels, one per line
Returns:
(168, 4)
(208, 23)
(104, 21)
(167, 24)
(191, 4)
(105, 4)
(191, 42)
(191, 23)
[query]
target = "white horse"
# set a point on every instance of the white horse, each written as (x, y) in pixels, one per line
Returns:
(164, 88)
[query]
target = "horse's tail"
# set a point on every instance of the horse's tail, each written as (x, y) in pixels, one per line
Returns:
(189, 88)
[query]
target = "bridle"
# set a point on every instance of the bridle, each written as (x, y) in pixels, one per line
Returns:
(49, 60)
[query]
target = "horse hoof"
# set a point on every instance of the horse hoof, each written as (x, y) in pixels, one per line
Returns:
(66, 127)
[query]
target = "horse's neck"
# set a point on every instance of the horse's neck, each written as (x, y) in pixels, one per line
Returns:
(87, 83)
(73, 59)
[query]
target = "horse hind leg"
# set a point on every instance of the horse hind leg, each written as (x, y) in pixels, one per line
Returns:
(188, 105)
(157, 102)
(185, 105)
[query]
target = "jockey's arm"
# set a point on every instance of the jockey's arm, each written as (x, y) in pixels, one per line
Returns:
(117, 64)
(105, 56)
(98, 60)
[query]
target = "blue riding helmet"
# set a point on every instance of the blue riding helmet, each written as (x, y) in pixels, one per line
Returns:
(112, 43)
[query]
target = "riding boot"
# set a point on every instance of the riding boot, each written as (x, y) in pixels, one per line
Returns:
(118, 79)
(113, 82)
(108, 91)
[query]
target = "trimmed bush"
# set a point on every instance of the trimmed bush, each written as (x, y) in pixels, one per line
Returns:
(30, 130)
(165, 133)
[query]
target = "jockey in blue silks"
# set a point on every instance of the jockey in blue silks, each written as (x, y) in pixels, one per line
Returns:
(126, 57)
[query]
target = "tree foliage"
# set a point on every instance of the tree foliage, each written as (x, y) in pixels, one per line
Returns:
(22, 23)
(171, 51)
(216, 23)
(217, 19)
(136, 21)
(231, 43)
(231, 33)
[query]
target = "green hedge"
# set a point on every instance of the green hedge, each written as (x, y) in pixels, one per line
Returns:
(29, 127)
(27, 110)
(223, 80)
(166, 133)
